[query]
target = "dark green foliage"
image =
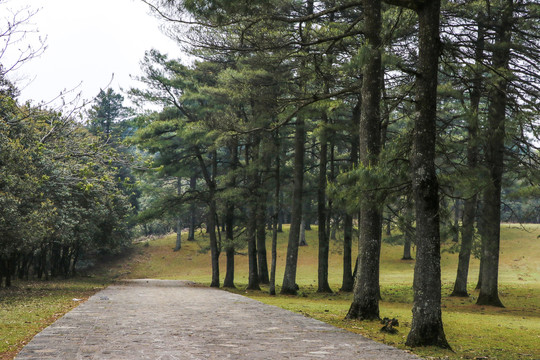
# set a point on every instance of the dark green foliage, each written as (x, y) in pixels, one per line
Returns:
(105, 114)
(59, 198)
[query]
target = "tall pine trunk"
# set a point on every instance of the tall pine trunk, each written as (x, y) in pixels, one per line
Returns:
(469, 207)
(178, 245)
(261, 240)
(494, 160)
(192, 210)
(427, 326)
(275, 219)
(229, 222)
(262, 258)
(209, 178)
(229, 247)
(366, 287)
(253, 178)
(324, 241)
(214, 249)
(289, 277)
(348, 278)
(408, 229)
(253, 276)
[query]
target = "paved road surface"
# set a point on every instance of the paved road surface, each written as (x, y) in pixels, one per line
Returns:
(158, 319)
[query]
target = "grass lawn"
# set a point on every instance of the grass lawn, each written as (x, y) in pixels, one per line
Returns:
(483, 332)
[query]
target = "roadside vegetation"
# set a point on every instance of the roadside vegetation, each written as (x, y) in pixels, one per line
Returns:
(27, 307)
(475, 332)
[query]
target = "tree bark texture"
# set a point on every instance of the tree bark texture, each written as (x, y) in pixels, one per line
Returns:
(366, 288)
(178, 245)
(254, 183)
(324, 241)
(494, 160)
(192, 210)
(229, 224)
(289, 277)
(211, 216)
(261, 240)
(264, 277)
(275, 220)
(253, 277)
(408, 231)
(348, 278)
(407, 248)
(214, 249)
(229, 248)
(427, 326)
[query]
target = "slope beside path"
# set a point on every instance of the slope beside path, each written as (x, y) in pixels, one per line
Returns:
(167, 319)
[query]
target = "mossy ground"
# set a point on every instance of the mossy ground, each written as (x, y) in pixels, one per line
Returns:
(510, 333)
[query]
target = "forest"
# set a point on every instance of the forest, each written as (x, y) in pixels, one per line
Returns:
(415, 118)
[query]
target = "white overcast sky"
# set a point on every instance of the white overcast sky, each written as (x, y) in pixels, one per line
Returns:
(87, 42)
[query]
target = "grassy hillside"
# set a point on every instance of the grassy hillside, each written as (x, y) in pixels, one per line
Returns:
(473, 331)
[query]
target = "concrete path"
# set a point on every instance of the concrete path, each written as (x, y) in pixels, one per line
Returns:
(156, 319)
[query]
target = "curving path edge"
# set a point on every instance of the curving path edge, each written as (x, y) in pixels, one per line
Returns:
(170, 319)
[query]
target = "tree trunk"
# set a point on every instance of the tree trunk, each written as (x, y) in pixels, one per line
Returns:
(348, 275)
(427, 326)
(229, 247)
(494, 156)
(229, 224)
(407, 248)
(192, 210)
(254, 183)
(467, 236)
(7, 272)
(211, 216)
(253, 277)
(1, 271)
(275, 219)
(214, 250)
(408, 231)
(480, 226)
(289, 277)
(261, 240)
(470, 205)
(324, 241)
(307, 213)
(289, 285)
(455, 237)
(365, 303)
(348, 280)
(264, 277)
(281, 215)
(229, 274)
(178, 245)
(302, 239)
